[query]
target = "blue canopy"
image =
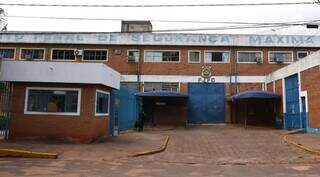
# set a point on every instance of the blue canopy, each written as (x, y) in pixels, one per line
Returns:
(255, 95)
(161, 94)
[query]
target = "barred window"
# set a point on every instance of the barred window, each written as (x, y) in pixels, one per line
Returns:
(162, 56)
(7, 53)
(285, 57)
(32, 54)
(63, 55)
(95, 55)
(249, 57)
(130, 85)
(194, 56)
(217, 57)
(161, 86)
(133, 55)
(102, 103)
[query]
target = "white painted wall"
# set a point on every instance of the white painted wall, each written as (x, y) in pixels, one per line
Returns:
(161, 39)
(59, 72)
(183, 78)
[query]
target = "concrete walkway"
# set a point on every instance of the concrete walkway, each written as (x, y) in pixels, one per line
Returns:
(196, 151)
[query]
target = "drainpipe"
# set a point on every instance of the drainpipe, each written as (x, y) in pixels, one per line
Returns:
(139, 70)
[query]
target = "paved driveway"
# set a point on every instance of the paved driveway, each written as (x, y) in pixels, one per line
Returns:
(219, 150)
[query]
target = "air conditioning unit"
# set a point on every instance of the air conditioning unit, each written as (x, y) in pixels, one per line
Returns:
(78, 52)
(117, 51)
(131, 59)
(259, 60)
(278, 60)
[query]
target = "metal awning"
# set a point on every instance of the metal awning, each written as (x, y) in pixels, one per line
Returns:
(166, 94)
(255, 95)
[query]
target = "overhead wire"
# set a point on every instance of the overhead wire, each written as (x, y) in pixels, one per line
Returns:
(159, 20)
(162, 5)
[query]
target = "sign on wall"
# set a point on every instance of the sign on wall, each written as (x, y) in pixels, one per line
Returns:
(206, 75)
(161, 39)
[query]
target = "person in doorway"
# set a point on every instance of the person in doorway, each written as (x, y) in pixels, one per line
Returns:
(141, 120)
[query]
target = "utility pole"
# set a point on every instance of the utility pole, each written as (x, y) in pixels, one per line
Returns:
(3, 21)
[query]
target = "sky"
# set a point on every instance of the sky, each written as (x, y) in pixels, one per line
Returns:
(239, 14)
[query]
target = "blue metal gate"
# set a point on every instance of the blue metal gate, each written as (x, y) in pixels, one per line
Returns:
(292, 115)
(206, 103)
(5, 108)
(124, 110)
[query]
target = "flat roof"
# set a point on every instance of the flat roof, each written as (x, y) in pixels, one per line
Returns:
(59, 72)
(172, 39)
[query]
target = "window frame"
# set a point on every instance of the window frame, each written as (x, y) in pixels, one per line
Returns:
(192, 62)
(144, 56)
(279, 51)
(107, 56)
(179, 85)
(250, 51)
(212, 51)
(302, 51)
(14, 54)
(52, 113)
(60, 59)
(133, 50)
(44, 54)
(95, 104)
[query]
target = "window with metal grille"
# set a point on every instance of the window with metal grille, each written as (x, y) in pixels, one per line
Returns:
(194, 56)
(249, 57)
(131, 85)
(95, 55)
(32, 54)
(280, 57)
(217, 57)
(7, 53)
(161, 86)
(162, 56)
(58, 54)
(102, 103)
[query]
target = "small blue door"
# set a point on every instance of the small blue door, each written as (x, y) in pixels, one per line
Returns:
(292, 115)
(125, 109)
(206, 103)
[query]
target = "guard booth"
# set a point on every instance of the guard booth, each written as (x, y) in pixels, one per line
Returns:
(164, 108)
(257, 108)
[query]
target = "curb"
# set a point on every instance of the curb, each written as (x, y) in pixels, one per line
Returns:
(26, 154)
(300, 146)
(158, 150)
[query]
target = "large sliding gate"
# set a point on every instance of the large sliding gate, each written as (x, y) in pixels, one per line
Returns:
(5, 107)
(206, 103)
(293, 118)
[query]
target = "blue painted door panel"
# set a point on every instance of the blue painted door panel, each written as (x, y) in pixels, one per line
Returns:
(127, 110)
(206, 103)
(292, 115)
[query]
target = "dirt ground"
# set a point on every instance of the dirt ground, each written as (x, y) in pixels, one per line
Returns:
(213, 150)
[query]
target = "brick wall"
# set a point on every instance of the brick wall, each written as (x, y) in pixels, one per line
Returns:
(270, 87)
(83, 128)
(241, 87)
(119, 62)
(278, 90)
(310, 82)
